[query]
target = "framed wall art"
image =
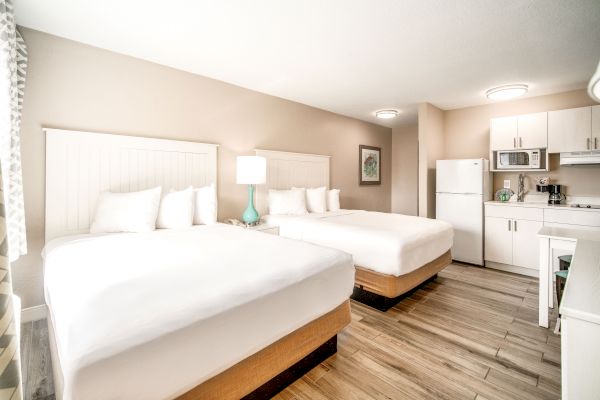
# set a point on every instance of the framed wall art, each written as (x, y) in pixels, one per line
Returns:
(369, 165)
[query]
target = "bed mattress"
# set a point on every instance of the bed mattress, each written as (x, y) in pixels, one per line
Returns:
(393, 244)
(152, 315)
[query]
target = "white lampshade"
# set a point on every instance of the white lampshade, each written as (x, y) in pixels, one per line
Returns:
(594, 86)
(251, 170)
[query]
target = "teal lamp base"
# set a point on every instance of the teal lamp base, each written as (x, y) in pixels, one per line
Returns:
(251, 216)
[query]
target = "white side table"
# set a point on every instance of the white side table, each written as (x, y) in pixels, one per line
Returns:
(265, 228)
(262, 227)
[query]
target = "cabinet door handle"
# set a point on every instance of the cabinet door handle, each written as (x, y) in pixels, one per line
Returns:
(515, 226)
(509, 224)
(514, 143)
(596, 143)
(587, 141)
(520, 142)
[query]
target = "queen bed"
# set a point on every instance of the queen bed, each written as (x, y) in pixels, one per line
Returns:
(393, 253)
(175, 313)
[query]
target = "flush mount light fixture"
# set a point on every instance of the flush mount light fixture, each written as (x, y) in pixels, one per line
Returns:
(594, 86)
(386, 114)
(506, 92)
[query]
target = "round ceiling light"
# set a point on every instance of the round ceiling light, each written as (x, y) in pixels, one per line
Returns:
(387, 114)
(507, 92)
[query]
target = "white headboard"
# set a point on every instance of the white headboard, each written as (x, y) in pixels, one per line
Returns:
(80, 165)
(285, 170)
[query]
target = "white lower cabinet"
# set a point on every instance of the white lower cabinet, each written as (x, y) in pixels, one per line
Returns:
(498, 240)
(511, 240)
(526, 243)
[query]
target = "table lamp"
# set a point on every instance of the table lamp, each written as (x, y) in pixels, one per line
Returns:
(251, 171)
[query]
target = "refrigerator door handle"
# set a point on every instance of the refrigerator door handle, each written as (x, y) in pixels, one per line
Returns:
(509, 224)
(515, 225)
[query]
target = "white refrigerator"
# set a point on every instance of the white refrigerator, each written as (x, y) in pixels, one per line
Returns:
(461, 188)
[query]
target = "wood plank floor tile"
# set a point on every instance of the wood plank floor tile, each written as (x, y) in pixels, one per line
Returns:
(407, 387)
(470, 334)
(553, 340)
(39, 384)
(551, 357)
(304, 389)
(469, 288)
(534, 344)
(519, 389)
(26, 348)
(550, 386)
(335, 386)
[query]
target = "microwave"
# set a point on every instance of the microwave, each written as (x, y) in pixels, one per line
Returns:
(518, 159)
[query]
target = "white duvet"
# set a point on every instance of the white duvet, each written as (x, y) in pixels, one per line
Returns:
(393, 244)
(151, 315)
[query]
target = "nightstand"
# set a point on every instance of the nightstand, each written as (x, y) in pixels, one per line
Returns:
(261, 227)
(265, 228)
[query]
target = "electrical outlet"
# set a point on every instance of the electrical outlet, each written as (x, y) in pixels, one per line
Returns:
(507, 184)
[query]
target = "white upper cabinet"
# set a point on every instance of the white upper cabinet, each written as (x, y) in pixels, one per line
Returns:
(596, 127)
(528, 131)
(570, 130)
(503, 133)
(533, 131)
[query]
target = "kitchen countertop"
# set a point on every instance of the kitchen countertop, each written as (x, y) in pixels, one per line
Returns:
(535, 204)
(581, 298)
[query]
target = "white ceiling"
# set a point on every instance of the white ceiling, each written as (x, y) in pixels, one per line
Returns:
(351, 57)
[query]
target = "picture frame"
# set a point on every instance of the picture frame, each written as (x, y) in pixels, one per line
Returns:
(369, 165)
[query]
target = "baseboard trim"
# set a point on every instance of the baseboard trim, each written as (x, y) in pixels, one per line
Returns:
(513, 268)
(34, 313)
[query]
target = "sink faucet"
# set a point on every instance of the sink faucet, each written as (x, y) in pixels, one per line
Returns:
(521, 188)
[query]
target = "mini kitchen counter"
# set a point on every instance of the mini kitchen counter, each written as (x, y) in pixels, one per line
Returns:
(579, 308)
(511, 232)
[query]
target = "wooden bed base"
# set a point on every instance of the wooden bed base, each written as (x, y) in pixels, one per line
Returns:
(393, 287)
(264, 374)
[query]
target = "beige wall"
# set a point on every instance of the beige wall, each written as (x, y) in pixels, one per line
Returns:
(405, 158)
(467, 133)
(431, 149)
(74, 86)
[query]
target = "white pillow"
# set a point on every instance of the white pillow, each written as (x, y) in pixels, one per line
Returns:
(205, 205)
(316, 200)
(176, 209)
(287, 202)
(333, 200)
(126, 212)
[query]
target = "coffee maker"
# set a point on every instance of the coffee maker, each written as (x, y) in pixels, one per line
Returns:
(554, 195)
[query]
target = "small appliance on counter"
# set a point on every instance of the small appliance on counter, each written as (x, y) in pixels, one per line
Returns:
(555, 196)
(541, 184)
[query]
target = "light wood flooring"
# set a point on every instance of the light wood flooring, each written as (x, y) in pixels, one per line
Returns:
(36, 366)
(471, 334)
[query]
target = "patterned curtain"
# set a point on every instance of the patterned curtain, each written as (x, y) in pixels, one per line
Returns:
(13, 63)
(10, 365)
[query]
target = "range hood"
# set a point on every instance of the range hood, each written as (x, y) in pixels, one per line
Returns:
(580, 158)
